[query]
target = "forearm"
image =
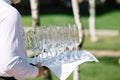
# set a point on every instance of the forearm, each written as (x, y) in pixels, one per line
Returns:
(21, 69)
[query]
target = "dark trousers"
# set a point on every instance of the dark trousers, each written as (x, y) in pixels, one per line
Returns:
(7, 78)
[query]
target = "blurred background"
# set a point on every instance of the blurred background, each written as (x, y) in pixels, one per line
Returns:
(107, 27)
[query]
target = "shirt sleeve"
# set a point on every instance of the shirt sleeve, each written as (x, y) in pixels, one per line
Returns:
(21, 69)
(12, 62)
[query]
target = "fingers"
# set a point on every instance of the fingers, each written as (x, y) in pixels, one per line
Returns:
(41, 69)
(46, 67)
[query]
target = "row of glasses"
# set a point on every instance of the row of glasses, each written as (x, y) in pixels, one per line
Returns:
(55, 41)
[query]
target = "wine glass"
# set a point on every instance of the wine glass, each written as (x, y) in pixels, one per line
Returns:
(32, 41)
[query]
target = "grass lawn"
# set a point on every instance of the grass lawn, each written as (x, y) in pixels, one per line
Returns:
(108, 21)
(104, 21)
(104, 43)
(107, 69)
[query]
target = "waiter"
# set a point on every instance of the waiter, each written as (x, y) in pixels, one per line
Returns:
(13, 58)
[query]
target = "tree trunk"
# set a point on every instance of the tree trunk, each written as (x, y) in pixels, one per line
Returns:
(78, 22)
(92, 20)
(35, 13)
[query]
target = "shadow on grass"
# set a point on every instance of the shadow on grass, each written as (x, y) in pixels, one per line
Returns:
(109, 60)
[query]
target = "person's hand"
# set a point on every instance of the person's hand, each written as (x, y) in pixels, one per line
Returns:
(42, 69)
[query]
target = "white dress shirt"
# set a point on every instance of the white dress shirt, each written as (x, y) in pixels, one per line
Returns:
(13, 58)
